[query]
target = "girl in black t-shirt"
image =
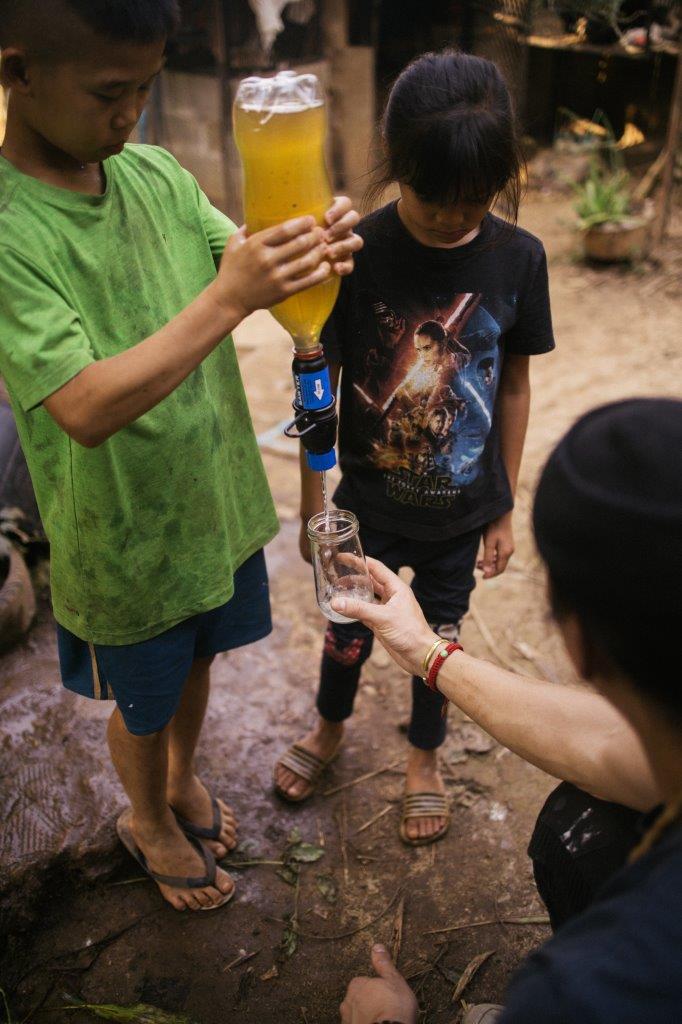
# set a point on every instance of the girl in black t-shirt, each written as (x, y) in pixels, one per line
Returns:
(433, 333)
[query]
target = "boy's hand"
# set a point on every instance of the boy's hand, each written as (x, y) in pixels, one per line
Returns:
(260, 270)
(341, 218)
(498, 546)
(387, 997)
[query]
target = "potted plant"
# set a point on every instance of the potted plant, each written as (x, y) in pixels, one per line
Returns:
(612, 229)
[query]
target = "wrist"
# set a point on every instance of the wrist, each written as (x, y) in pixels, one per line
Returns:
(435, 662)
(424, 651)
(225, 308)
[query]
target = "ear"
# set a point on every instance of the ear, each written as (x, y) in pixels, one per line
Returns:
(14, 72)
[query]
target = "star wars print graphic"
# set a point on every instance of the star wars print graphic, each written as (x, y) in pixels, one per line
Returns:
(427, 396)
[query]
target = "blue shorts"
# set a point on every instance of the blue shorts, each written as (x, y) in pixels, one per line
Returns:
(146, 679)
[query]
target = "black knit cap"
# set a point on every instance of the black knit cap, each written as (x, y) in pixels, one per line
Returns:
(608, 511)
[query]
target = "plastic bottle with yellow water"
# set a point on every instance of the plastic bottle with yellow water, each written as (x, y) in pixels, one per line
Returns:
(280, 128)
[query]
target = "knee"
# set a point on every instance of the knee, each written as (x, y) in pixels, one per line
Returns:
(347, 651)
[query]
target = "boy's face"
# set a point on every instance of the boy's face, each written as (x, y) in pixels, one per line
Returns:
(87, 106)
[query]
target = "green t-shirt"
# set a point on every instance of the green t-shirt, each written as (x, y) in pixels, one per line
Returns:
(148, 528)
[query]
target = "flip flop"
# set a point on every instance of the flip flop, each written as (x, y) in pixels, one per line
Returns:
(307, 766)
(200, 831)
(424, 805)
(176, 881)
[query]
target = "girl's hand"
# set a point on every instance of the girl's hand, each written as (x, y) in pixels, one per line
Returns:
(498, 546)
(264, 268)
(397, 622)
(341, 218)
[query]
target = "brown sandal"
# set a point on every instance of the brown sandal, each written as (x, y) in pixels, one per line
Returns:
(307, 766)
(176, 881)
(424, 805)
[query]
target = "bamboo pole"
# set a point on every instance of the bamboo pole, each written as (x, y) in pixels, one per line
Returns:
(667, 182)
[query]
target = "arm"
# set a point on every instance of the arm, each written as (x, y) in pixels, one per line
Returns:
(311, 482)
(256, 272)
(572, 734)
(513, 407)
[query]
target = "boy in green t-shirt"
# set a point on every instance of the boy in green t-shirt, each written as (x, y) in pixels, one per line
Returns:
(116, 305)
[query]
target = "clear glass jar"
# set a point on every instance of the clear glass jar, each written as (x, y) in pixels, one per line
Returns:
(338, 562)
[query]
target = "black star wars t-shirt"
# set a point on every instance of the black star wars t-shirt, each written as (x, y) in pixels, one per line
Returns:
(421, 334)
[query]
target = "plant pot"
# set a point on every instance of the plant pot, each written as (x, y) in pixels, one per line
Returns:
(617, 242)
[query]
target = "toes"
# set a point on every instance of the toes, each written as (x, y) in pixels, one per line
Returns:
(203, 898)
(217, 849)
(192, 901)
(176, 902)
(215, 895)
(223, 882)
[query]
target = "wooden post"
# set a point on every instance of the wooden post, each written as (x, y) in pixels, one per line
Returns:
(352, 99)
(232, 199)
(667, 182)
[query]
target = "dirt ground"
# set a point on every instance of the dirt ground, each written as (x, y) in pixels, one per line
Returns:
(106, 936)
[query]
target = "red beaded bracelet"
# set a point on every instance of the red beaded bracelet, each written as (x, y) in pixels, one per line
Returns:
(437, 662)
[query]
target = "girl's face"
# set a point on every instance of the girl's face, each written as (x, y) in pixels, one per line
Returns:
(442, 227)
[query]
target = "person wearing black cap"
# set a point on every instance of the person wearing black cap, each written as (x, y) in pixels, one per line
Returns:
(608, 525)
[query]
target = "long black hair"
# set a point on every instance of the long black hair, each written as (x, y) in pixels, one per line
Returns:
(449, 133)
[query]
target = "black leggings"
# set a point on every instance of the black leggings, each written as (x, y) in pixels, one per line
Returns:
(443, 581)
(578, 843)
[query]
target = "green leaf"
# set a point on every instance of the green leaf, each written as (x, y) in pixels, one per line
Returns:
(327, 887)
(139, 1013)
(294, 837)
(305, 853)
(8, 1015)
(248, 848)
(289, 873)
(289, 943)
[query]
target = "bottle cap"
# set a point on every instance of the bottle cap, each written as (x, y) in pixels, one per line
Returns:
(284, 93)
(319, 463)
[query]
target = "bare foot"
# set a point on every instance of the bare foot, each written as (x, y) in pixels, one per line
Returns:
(192, 801)
(321, 741)
(422, 776)
(168, 852)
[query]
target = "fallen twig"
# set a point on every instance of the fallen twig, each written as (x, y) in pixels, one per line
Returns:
(252, 863)
(363, 778)
(343, 833)
(397, 936)
(539, 919)
(468, 973)
(490, 641)
(433, 966)
(241, 959)
(353, 931)
(373, 821)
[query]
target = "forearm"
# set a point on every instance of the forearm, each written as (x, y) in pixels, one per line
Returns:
(572, 734)
(311, 488)
(112, 393)
(513, 413)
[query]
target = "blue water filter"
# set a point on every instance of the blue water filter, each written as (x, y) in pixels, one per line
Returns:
(316, 420)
